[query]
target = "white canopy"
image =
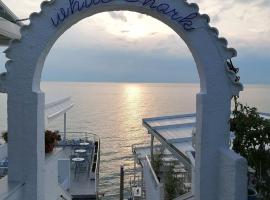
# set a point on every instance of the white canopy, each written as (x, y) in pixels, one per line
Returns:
(174, 132)
(57, 108)
(9, 25)
(8, 31)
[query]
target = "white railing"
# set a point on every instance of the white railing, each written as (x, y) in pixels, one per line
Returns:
(152, 172)
(73, 135)
(156, 192)
(186, 196)
(11, 190)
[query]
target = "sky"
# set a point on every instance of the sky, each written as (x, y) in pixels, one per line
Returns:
(131, 47)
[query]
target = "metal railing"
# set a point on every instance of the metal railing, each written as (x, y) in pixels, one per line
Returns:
(152, 172)
(75, 135)
(185, 196)
(159, 187)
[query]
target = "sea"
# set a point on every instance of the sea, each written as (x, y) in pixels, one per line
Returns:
(114, 111)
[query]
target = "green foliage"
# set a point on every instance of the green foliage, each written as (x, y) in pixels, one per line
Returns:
(172, 183)
(252, 141)
(157, 161)
(5, 136)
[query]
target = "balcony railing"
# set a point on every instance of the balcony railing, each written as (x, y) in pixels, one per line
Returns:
(157, 192)
(73, 136)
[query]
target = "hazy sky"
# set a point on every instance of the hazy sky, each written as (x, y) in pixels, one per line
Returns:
(125, 46)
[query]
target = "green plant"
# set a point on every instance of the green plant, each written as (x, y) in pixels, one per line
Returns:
(157, 161)
(252, 141)
(5, 136)
(172, 183)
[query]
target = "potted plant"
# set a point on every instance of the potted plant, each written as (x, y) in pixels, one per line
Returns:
(252, 141)
(5, 136)
(51, 139)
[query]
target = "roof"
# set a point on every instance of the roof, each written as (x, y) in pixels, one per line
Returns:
(7, 14)
(57, 108)
(9, 25)
(174, 132)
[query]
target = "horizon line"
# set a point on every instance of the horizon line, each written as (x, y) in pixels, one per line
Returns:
(138, 82)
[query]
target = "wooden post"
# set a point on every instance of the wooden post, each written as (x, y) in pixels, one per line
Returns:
(152, 149)
(122, 182)
(65, 129)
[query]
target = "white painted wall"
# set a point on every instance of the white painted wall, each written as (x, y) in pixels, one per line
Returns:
(52, 188)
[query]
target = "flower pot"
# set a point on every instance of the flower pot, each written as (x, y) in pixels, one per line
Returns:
(252, 194)
(49, 148)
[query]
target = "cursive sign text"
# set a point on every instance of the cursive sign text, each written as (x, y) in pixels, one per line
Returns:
(78, 5)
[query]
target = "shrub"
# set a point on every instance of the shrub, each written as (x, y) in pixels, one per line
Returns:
(252, 141)
(157, 161)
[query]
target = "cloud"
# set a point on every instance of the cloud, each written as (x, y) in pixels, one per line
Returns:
(244, 23)
(118, 15)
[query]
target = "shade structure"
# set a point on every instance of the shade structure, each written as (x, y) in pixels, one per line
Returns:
(57, 108)
(175, 133)
(8, 31)
(9, 25)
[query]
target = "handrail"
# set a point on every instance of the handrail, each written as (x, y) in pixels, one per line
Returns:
(152, 171)
(184, 196)
(142, 146)
(77, 136)
(8, 189)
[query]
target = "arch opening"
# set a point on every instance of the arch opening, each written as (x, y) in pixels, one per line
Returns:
(132, 98)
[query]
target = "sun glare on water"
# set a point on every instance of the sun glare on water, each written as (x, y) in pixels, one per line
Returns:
(132, 91)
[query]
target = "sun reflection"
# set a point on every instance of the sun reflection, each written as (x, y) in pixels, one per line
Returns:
(132, 91)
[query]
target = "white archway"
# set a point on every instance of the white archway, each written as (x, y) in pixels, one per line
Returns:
(220, 174)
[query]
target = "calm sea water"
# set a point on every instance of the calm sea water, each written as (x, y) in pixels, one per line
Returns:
(115, 111)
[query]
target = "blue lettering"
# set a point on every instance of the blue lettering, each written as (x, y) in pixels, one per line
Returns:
(164, 8)
(87, 4)
(73, 5)
(106, 1)
(187, 21)
(96, 2)
(151, 2)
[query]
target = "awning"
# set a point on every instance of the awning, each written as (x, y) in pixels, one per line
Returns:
(57, 108)
(175, 133)
(8, 31)
(9, 25)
